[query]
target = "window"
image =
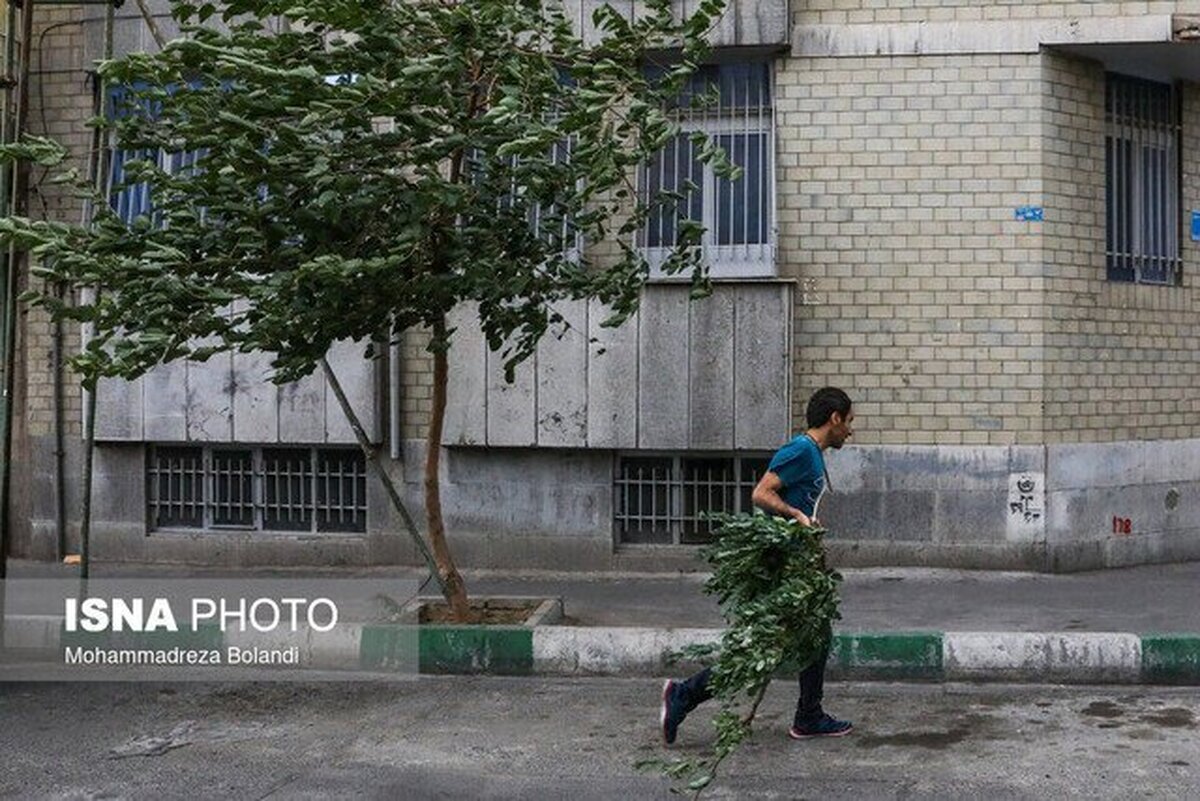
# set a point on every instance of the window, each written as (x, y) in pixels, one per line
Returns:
(133, 200)
(510, 180)
(660, 499)
(738, 215)
(273, 489)
(1142, 193)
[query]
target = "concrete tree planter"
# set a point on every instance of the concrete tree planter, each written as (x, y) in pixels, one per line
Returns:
(501, 648)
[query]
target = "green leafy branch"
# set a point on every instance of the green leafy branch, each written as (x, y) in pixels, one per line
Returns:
(779, 599)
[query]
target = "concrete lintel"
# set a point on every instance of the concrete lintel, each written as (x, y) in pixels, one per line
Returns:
(971, 37)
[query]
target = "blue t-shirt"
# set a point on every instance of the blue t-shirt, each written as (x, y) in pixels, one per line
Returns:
(801, 467)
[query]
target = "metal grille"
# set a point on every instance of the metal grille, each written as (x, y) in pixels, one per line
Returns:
(660, 499)
(133, 200)
(341, 491)
(175, 487)
(737, 215)
(279, 489)
(231, 494)
(550, 221)
(1142, 192)
(287, 479)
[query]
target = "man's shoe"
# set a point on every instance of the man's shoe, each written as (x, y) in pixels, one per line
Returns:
(825, 726)
(674, 710)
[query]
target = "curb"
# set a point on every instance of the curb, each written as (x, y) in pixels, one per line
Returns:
(1052, 657)
(1048, 657)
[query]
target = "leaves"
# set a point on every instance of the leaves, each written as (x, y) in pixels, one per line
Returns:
(779, 599)
(347, 168)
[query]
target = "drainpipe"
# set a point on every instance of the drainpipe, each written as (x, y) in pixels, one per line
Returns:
(89, 433)
(394, 373)
(6, 308)
(60, 488)
(17, 202)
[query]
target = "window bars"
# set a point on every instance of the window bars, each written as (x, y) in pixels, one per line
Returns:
(550, 221)
(660, 499)
(273, 489)
(738, 215)
(1142, 184)
(133, 200)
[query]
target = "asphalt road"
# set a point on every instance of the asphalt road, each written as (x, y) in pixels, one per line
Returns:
(532, 738)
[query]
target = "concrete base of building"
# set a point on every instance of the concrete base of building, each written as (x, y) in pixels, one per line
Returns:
(1058, 508)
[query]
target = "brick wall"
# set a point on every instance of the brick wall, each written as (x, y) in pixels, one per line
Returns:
(416, 385)
(897, 180)
(834, 12)
(1123, 360)
(60, 102)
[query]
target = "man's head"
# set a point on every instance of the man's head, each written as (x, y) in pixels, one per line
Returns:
(830, 411)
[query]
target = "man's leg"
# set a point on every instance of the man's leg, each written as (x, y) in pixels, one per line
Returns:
(810, 719)
(812, 691)
(681, 697)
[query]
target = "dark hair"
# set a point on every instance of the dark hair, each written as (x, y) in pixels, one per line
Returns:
(823, 403)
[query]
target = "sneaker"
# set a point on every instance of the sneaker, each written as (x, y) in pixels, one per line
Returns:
(674, 710)
(825, 726)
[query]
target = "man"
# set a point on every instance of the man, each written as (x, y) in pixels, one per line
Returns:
(791, 488)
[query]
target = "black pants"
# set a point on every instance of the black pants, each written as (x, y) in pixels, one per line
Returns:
(808, 707)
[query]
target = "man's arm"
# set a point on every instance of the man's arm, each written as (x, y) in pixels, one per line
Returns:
(766, 497)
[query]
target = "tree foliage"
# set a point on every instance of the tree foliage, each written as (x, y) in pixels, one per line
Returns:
(352, 168)
(780, 600)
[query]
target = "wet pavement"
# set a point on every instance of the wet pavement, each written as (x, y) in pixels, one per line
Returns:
(535, 738)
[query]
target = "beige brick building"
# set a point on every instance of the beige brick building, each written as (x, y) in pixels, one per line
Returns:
(974, 217)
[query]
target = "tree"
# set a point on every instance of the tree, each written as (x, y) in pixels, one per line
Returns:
(351, 170)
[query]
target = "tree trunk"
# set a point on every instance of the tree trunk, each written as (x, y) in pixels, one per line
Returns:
(452, 583)
(389, 486)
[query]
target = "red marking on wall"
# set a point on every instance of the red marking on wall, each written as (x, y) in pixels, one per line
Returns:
(1122, 525)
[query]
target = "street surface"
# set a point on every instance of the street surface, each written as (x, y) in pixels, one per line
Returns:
(535, 738)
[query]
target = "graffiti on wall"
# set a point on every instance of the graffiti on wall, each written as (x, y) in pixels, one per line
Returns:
(1026, 504)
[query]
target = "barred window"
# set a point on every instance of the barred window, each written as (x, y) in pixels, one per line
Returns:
(660, 499)
(129, 198)
(1142, 192)
(737, 215)
(271, 489)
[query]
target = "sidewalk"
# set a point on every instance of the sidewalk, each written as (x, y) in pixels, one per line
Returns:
(1132, 624)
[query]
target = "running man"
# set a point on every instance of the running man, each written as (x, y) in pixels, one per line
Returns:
(791, 488)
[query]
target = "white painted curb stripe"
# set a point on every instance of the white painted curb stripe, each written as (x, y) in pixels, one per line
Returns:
(584, 649)
(1037, 656)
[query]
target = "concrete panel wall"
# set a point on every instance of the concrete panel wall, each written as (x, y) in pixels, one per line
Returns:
(562, 380)
(229, 398)
(119, 410)
(939, 496)
(164, 404)
(710, 374)
(209, 410)
(1123, 503)
(745, 23)
(761, 367)
(359, 378)
(664, 412)
(466, 384)
(511, 407)
(612, 370)
(552, 509)
(711, 371)
(255, 399)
